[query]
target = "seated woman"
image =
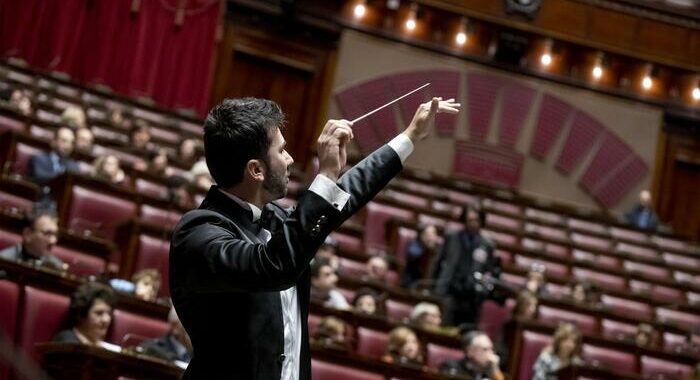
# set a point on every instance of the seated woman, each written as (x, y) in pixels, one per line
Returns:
(525, 306)
(146, 284)
(106, 168)
(563, 351)
(89, 315)
(583, 293)
(536, 280)
(366, 301)
(403, 347)
(331, 333)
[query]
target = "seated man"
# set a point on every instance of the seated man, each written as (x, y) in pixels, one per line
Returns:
(377, 269)
(323, 285)
(84, 140)
(175, 345)
(427, 316)
(44, 167)
(38, 237)
(479, 362)
(643, 215)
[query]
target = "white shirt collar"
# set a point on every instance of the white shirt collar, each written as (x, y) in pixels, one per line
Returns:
(246, 205)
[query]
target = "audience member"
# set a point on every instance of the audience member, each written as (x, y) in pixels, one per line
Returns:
(525, 309)
(140, 137)
(89, 315)
(376, 269)
(366, 301)
(44, 167)
(582, 293)
(180, 192)
(419, 254)
(73, 117)
(201, 178)
(187, 152)
(479, 362)
(643, 215)
(38, 238)
(403, 347)
(536, 280)
(644, 337)
(525, 306)
(427, 316)
(563, 351)
(146, 284)
(106, 168)
(329, 251)
(691, 345)
(323, 285)
(175, 345)
(84, 140)
(330, 332)
(116, 116)
(158, 164)
(21, 100)
(465, 254)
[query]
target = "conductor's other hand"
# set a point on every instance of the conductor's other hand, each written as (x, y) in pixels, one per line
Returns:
(332, 145)
(424, 119)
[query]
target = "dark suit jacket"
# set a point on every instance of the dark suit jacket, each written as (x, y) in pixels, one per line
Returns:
(43, 170)
(225, 282)
(167, 348)
(634, 217)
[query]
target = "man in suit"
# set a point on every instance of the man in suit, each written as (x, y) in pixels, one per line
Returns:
(44, 167)
(38, 238)
(642, 215)
(465, 255)
(175, 345)
(239, 265)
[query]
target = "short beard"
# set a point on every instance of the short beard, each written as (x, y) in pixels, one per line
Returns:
(275, 184)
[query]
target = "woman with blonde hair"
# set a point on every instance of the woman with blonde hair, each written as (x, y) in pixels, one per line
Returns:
(564, 350)
(107, 168)
(403, 347)
(330, 332)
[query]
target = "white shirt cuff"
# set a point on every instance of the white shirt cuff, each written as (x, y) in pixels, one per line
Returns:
(325, 188)
(402, 145)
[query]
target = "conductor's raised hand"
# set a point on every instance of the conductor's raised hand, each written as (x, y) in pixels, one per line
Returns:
(332, 143)
(424, 119)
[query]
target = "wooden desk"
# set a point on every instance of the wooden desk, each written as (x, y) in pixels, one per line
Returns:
(73, 361)
(588, 372)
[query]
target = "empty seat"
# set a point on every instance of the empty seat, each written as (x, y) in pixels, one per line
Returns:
(635, 250)
(500, 237)
(405, 199)
(98, 210)
(41, 316)
(347, 242)
(371, 343)
(531, 346)
(80, 264)
(23, 153)
(313, 322)
(398, 310)
(681, 260)
(672, 341)
(626, 306)
(500, 221)
(590, 241)
(352, 268)
(680, 318)
(651, 367)
(617, 330)
(552, 269)
(631, 235)
(378, 215)
(493, 316)
(585, 322)
(8, 238)
(9, 299)
(150, 188)
(10, 124)
(321, 370)
(604, 280)
(11, 201)
(159, 216)
(618, 361)
(657, 292)
(646, 270)
(436, 355)
(125, 323)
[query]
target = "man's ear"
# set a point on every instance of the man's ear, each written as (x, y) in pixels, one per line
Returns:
(256, 170)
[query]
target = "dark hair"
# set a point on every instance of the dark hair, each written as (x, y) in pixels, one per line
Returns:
(316, 266)
(365, 292)
(480, 211)
(468, 338)
(30, 221)
(237, 131)
(139, 125)
(84, 297)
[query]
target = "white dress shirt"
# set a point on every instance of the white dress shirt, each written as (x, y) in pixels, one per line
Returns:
(328, 190)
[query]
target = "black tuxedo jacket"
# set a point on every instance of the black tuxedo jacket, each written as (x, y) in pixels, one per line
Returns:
(225, 282)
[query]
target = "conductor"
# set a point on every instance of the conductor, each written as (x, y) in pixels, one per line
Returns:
(239, 264)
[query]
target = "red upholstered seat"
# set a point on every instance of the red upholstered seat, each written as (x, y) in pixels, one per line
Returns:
(23, 153)
(152, 189)
(398, 310)
(376, 219)
(8, 238)
(98, 210)
(501, 221)
(646, 270)
(352, 268)
(626, 306)
(8, 201)
(552, 269)
(41, 316)
(493, 316)
(81, 264)
(651, 367)
(405, 236)
(618, 361)
(436, 355)
(532, 345)
(681, 260)
(159, 216)
(657, 292)
(124, 323)
(347, 242)
(679, 318)
(154, 253)
(10, 124)
(321, 370)
(313, 322)
(590, 241)
(406, 199)
(9, 299)
(370, 342)
(604, 280)
(585, 322)
(617, 330)
(673, 341)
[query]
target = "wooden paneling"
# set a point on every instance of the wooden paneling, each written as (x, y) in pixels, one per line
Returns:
(282, 60)
(679, 185)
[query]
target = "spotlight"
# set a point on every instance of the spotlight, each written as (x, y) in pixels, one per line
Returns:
(360, 10)
(597, 72)
(461, 37)
(411, 20)
(647, 82)
(546, 57)
(696, 90)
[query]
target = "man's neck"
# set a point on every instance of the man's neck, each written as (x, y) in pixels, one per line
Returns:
(247, 194)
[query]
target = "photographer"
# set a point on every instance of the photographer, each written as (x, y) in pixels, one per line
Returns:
(463, 269)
